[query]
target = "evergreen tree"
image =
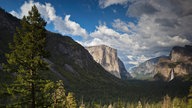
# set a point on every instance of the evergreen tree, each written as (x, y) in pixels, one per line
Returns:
(59, 96)
(25, 59)
(71, 102)
(45, 97)
(176, 103)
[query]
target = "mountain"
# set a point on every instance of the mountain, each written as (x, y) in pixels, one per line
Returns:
(72, 63)
(107, 57)
(179, 63)
(69, 61)
(146, 70)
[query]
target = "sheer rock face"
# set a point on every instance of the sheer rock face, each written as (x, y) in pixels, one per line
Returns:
(180, 60)
(107, 58)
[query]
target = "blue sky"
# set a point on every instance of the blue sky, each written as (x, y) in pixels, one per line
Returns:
(138, 29)
(86, 12)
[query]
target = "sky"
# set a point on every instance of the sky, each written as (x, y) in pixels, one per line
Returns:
(138, 29)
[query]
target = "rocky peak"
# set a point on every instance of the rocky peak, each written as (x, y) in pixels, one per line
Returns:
(180, 61)
(108, 59)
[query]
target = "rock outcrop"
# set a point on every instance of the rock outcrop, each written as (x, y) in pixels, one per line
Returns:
(180, 60)
(107, 57)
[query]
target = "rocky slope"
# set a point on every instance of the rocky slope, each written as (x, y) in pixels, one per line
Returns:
(107, 57)
(69, 61)
(146, 70)
(180, 60)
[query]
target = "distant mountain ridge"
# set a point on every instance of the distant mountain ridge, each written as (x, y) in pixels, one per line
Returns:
(146, 70)
(107, 57)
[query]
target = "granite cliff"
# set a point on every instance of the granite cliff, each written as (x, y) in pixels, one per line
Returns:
(107, 57)
(180, 60)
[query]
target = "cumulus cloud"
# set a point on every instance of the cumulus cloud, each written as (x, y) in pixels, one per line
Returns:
(123, 26)
(15, 14)
(161, 25)
(125, 44)
(106, 3)
(64, 26)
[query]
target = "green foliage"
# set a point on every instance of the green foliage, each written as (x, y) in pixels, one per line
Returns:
(71, 101)
(25, 61)
(45, 95)
(60, 99)
(59, 95)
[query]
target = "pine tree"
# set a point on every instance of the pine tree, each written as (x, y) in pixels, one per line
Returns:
(71, 102)
(176, 103)
(59, 95)
(25, 59)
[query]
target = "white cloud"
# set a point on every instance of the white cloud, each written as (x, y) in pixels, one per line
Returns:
(120, 25)
(106, 3)
(66, 26)
(136, 60)
(126, 44)
(173, 41)
(63, 26)
(113, 38)
(161, 25)
(130, 57)
(103, 30)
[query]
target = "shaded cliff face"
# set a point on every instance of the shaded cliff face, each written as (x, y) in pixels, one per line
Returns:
(146, 70)
(180, 60)
(107, 57)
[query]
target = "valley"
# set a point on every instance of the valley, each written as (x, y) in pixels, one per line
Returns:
(96, 73)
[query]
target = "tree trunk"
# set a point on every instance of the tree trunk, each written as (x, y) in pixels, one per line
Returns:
(33, 95)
